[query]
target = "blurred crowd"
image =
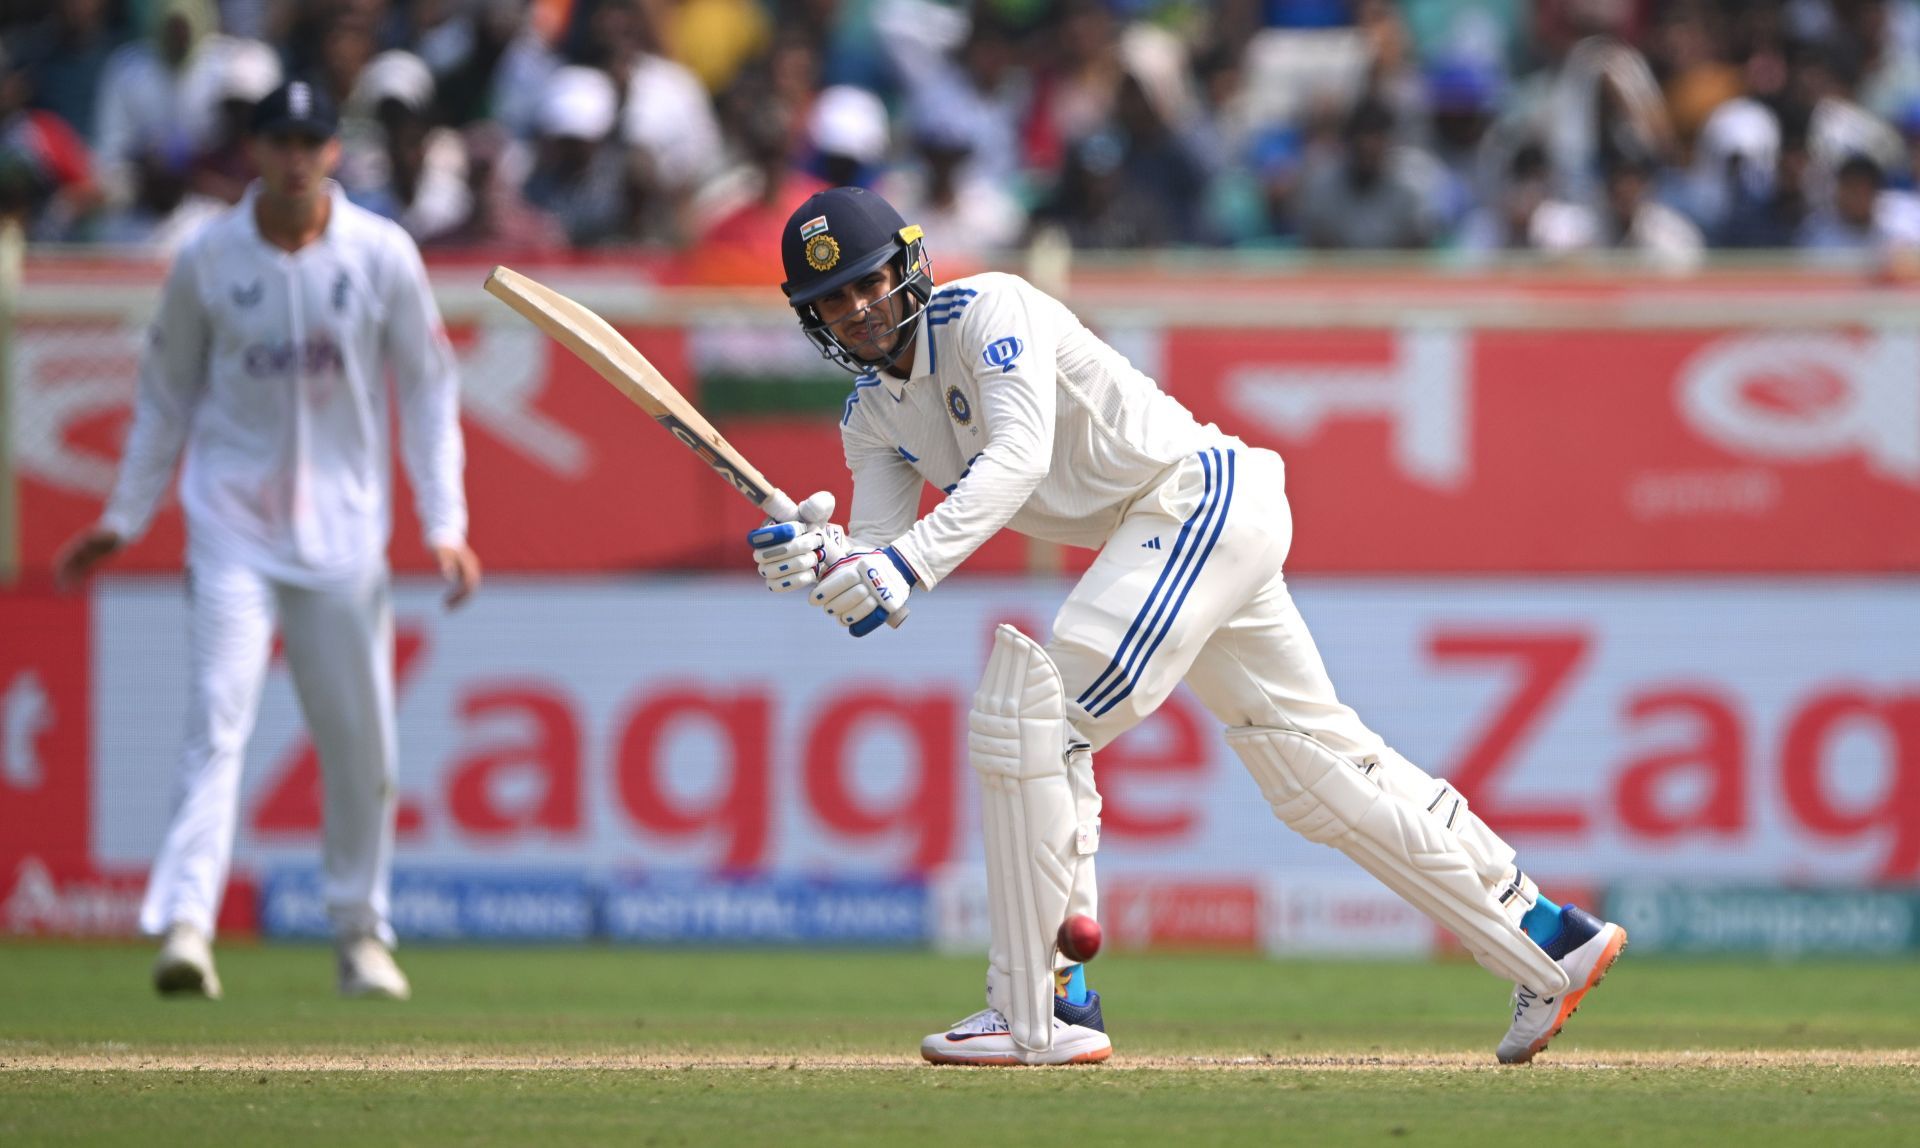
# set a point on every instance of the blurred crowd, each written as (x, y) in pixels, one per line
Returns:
(1662, 129)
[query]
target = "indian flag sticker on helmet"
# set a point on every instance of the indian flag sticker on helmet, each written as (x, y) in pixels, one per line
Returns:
(823, 252)
(813, 227)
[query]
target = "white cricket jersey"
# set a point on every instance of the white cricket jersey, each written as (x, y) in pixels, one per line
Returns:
(270, 368)
(1021, 415)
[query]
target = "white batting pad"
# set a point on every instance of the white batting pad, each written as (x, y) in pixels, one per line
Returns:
(1435, 853)
(1039, 841)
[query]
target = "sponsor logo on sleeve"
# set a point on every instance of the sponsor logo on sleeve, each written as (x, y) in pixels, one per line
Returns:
(1002, 353)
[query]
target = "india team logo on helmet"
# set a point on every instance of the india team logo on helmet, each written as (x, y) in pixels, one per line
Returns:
(823, 250)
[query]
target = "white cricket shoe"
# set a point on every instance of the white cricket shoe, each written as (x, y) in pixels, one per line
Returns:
(1586, 948)
(1079, 1037)
(184, 966)
(367, 970)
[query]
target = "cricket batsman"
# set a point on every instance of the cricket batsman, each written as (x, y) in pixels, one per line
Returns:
(992, 391)
(267, 363)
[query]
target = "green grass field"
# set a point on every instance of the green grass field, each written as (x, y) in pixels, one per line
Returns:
(520, 1046)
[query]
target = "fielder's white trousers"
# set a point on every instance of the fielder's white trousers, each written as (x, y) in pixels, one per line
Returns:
(1190, 588)
(338, 640)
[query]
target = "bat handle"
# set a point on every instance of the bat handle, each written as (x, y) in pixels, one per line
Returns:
(779, 508)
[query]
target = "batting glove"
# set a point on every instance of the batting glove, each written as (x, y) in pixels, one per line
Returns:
(791, 555)
(864, 589)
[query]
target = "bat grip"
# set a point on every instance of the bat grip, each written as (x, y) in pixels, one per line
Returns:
(779, 508)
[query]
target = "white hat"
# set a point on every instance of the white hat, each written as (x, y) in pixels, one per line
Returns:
(248, 70)
(393, 75)
(578, 102)
(849, 121)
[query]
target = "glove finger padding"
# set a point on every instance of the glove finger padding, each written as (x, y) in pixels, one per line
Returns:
(801, 545)
(850, 605)
(791, 557)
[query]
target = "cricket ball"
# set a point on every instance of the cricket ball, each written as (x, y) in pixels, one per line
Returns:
(1079, 937)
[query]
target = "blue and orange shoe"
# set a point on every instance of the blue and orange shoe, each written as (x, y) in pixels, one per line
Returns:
(1079, 1037)
(1586, 948)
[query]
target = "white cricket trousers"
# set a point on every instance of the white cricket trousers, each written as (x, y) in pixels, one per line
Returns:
(1190, 588)
(339, 646)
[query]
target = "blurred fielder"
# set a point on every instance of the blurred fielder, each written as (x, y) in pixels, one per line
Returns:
(267, 363)
(992, 391)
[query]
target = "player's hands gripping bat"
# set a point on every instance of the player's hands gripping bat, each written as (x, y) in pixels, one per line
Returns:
(863, 589)
(791, 555)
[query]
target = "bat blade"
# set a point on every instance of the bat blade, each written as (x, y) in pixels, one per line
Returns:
(594, 341)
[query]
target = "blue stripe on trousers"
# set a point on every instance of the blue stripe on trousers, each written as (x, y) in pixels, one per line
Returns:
(1100, 684)
(1225, 504)
(1180, 565)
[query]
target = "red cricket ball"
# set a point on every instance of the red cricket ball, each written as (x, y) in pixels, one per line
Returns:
(1079, 937)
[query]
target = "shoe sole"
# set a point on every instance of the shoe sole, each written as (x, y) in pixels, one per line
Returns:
(182, 980)
(1570, 1003)
(372, 993)
(1092, 1056)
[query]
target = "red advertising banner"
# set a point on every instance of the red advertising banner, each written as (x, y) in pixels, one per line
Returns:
(1447, 450)
(1425, 446)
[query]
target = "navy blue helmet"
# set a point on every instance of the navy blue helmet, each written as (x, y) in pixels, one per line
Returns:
(838, 237)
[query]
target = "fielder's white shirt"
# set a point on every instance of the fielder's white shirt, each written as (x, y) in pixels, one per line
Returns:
(1021, 415)
(270, 368)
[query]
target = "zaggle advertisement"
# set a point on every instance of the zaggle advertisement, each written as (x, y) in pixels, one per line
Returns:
(1763, 733)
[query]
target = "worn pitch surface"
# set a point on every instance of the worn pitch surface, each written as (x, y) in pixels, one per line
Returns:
(598, 1044)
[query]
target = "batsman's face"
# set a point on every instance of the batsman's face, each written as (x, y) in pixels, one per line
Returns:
(862, 317)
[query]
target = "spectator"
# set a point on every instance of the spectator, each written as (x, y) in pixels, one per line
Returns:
(1838, 128)
(1494, 34)
(1632, 220)
(963, 212)
(580, 175)
(1889, 68)
(1253, 202)
(519, 82)
(64, 57)
(977, 93)
(715, 39)
(1075, 83)
(1462, 97)
(1095, 207)
(848, 130)
(1688, 56)
(46, 172)
(1360, 199)
(737, 217)
(1734, 160)
(665, 111)
(1526, 217)
(164, 211)
(1862, 221)
(501, 216)
(1770, 214)
(394, 162)
(156, 98)
(348, 43)
(247, 70)
(465, 50)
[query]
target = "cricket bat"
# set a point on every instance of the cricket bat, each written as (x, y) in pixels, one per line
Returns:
(601, 347)
(598, 345)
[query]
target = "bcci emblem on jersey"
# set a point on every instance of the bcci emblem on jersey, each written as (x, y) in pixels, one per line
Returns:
(959, 407)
